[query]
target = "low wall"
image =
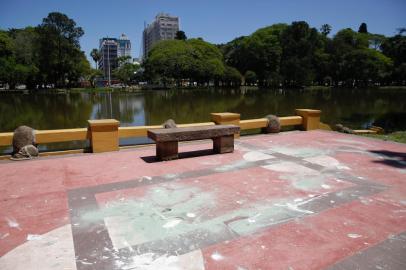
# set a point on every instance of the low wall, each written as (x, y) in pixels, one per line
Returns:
(105, 134)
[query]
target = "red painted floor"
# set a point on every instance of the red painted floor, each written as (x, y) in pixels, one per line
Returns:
(294, 200)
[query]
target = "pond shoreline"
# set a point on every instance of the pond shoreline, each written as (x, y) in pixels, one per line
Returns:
(139, 89)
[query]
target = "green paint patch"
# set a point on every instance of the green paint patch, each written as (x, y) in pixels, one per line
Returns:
(301, 152)
(170, 210)
(300, 176)
(166, 210)
(308, 182)
(232, 167)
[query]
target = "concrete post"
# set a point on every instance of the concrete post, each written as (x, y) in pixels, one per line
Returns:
(226, 119)
(311, 118)
(103, 135)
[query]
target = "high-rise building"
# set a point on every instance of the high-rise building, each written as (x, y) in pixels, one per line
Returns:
(108, 51)
(124, 47)
(163, 27)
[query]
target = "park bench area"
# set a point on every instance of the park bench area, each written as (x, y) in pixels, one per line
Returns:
(167, 139)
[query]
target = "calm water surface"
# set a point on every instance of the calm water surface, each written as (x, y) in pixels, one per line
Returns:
(355, 108)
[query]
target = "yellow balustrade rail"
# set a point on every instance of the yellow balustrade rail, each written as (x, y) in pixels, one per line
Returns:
(82, 134)
(263, 122)
(107, 131)
(50, 136)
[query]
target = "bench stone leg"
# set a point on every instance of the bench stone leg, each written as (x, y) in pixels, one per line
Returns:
(224, 144)
(167, 150)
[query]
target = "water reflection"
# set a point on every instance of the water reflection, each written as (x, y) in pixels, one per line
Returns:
(48, 110)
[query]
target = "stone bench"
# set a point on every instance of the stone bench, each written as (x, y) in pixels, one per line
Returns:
(167, 138)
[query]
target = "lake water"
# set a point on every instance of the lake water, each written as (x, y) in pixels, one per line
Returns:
(356, 108)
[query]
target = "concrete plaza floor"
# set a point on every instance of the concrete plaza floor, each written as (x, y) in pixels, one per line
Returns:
(293, 200)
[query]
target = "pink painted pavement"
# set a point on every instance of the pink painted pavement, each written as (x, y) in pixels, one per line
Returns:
(293, 200)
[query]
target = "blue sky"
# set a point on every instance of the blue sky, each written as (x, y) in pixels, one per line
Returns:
(216, 21)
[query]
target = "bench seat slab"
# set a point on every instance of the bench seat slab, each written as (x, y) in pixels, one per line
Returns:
(192, 133)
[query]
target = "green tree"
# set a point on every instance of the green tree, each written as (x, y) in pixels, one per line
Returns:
(395, 48)
(176, 60)
(362, 66)
(180, 35)
(26, 53)
(6, 44)
(92, 75)
(264, 52)
(250, 77)
(376, 40)
(355, 63)
(7, 61)
(231, 77)
(123, 59)
(126, 72)
(95, 54)
(363, 28)
(325, 29)
(207, 61)
(60, 50)
(169, 59)
(300, 44)
(13, 69)
(235, 54)
(260, 52)
(343, 43)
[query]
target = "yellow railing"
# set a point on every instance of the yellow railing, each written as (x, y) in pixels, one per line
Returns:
(50, 136)
(81, 134)
(307, 119)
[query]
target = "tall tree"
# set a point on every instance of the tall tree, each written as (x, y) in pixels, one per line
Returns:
(395, 48)
(300, 44)
(376, 40)
(355, 63)
(126, 72)
(235, 54)
(123, 59)
(176, 60)
(95, 54)
(363, 28)
(180, 35)
(325, 29)
(59, 47)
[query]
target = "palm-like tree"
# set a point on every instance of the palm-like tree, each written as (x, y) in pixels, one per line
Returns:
(95, 54)
(325, 29)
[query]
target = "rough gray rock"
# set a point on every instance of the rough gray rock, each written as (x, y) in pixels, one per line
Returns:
(23, 136)
(26, 152)
(274, 125)
(169, 124)
(343, 129)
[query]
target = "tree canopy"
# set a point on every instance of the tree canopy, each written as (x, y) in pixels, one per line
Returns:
(363, 28)
(48, 54)
(192, 60)
(297, 54)
(280, 55)
(180, 35)
(95, 54)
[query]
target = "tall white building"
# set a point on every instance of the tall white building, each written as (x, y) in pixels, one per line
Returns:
(124, 46)
(163, 27)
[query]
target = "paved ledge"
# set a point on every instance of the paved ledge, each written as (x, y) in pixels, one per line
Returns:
(294, 200)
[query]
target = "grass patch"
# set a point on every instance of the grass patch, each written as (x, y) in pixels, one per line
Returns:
(399, 136)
